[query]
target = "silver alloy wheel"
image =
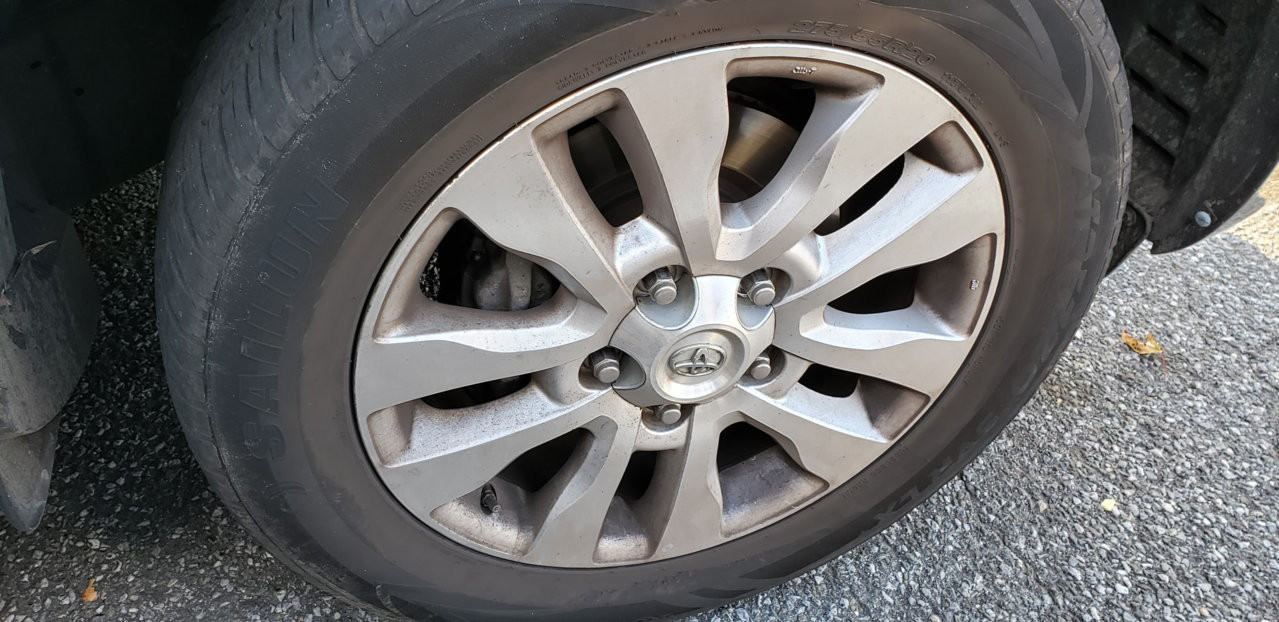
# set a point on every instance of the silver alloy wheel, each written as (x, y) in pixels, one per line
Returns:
(718, 453)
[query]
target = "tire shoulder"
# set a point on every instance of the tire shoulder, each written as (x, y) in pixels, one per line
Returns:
(242, 108)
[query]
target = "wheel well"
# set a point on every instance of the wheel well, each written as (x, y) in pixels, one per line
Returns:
(88, 90)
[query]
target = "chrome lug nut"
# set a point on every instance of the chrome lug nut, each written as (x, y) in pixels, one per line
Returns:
(762, 367)
(660, 286)
(670, 414)
(758, 288)
(606, 366)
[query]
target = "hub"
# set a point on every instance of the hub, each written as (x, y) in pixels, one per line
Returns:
(695, 348)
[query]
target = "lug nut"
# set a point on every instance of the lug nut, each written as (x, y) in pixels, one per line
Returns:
(660, 286)
(606, 366)
(758, 288)
(670, 414)
(762, 367)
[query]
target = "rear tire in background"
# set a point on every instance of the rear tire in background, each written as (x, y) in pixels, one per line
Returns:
(316, 136)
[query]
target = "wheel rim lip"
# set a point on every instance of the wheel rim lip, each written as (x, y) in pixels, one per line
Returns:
(431, 223)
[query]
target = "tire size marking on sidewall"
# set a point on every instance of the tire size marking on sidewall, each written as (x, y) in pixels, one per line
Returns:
(900, 48)
(626, 57)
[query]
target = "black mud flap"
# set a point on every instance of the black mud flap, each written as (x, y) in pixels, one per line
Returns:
(48, 316)
(1205, 80)
(25, 466)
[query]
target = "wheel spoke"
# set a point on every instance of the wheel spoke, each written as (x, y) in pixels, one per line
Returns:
(688, 505)
(581, 496)
(846, 143)
(831, 438)
(673, 125)
(526, 196)
(928, 215)
(445, 454)
(445, 347)
(909, 348)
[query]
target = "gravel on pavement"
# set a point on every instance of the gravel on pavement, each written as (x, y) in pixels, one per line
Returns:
(1183, 448)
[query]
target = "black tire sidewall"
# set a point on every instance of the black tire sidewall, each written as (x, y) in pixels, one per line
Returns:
(289, 300)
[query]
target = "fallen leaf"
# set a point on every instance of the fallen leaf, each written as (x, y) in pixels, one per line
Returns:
(1109, 505)
(1142, 346)
(90, 593)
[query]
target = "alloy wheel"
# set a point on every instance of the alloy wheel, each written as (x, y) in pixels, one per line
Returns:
(679, 305)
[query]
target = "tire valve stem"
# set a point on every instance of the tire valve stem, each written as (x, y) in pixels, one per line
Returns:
(488, 500)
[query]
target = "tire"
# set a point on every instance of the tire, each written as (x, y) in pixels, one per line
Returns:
(290, 179)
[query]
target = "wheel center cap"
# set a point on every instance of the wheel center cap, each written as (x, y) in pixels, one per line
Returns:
(694, 349)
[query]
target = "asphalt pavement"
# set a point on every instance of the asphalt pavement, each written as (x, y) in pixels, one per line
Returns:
(1131, 487)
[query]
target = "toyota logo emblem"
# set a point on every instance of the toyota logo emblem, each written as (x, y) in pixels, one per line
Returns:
(697, 361)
